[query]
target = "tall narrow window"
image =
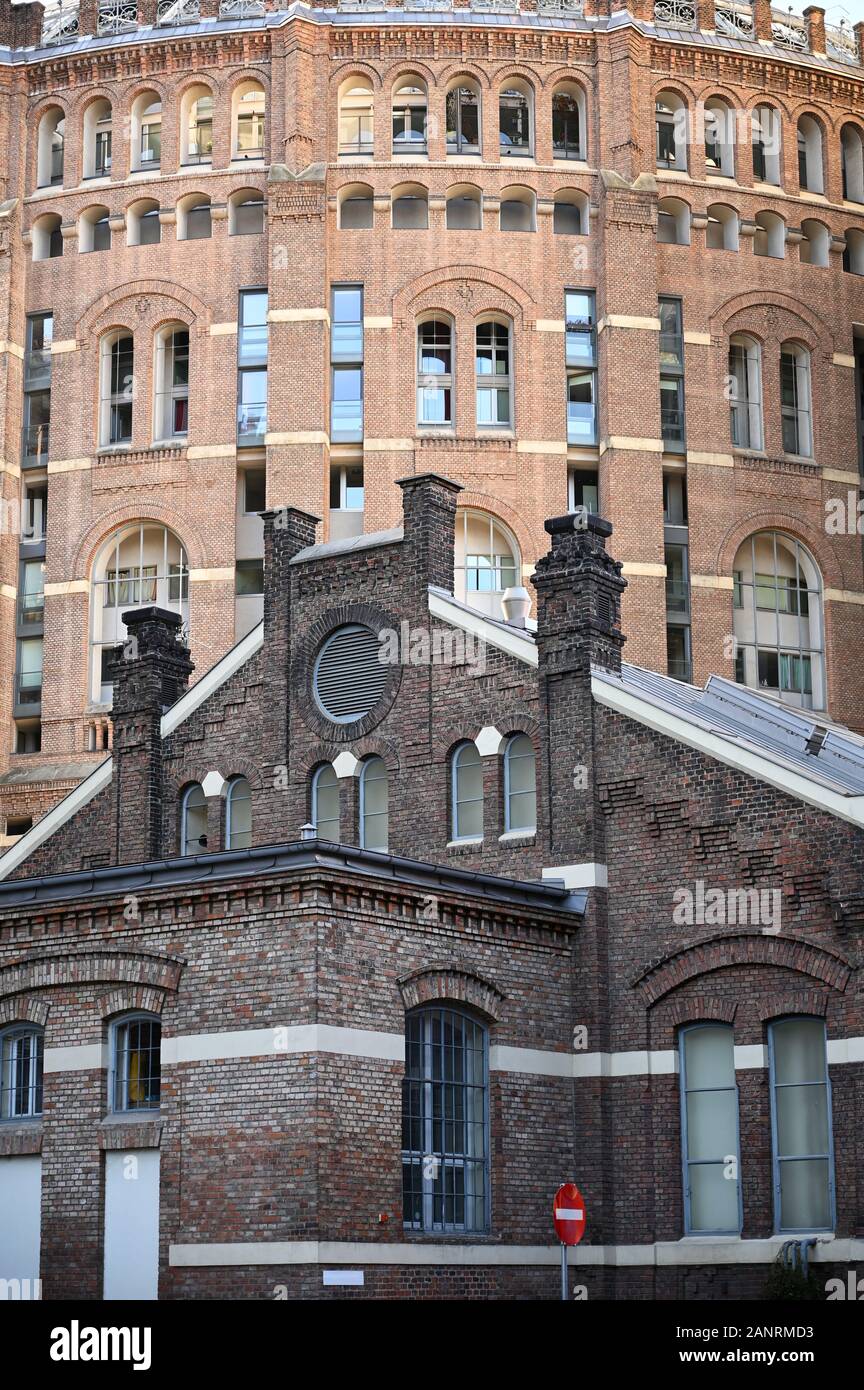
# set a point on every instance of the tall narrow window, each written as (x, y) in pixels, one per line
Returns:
(670, 116)
(356, 117)
(795, 400)
(567, 108)
(801, 1125)
(514, 119)
(487, 561)
(172, 383)
(374, 805)
(409, 117)
(766, 144)
(467, 793)
(462, 112)
(198, 137)
(249, 108)
(810, 176)
(709, 1130)
(136, 1063)
(238, 814)
(49, 149)
(140, 564)
(325, 804)
(445, 1125)
(193, 821)
(96, 160)
(745, 393)
(252, 347)
(147, 131)
(520, 785)
(719, 137)
(21, 1065)
(346, 357)
(672, 376)
(852, 162)
(493, 375)
(434, 373)
(118, 390)
(580, 356)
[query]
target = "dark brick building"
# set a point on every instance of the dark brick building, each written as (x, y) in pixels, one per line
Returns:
(561, 918)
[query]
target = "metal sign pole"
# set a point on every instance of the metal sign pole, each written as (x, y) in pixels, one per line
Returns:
(563, 1272)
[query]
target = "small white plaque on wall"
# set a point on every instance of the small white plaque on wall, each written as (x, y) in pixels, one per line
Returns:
(343, 1277)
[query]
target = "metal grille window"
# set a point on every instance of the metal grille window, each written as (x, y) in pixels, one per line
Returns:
(434, 373)
(374, 799)
(445, 1122)
(493, 375)
(709, 1130)
(795, 400)
(349, 676)
(21, 1053)
(672, 375)
(238, 814)
(803, 1146)
(520, 785)
(325, 804)
(136, 1069)
(745, 393)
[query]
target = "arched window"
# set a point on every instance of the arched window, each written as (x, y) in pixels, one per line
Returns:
(140, 564)
(196, 121)
(487, 561)
(709, 1130)
(518, 210)
(766, 138)
(570, 213)
(462, 114)
(520, 785)
(673, 222)
(238, 814)
(568, 121)
(745, 392)
(466, 793)
(136, 1062)
(816, 245)
(356, 207)
(97, 140)
(193, 820)
(49, 149)
(409, 116)
(670, 120)
(142, 223)
(516, 135)
(852, 163)
(325, 803)
(249, 105)
(356, 130)
(801, 1126)
(410, 203)
(493, 372)
(795, 407)
(374, 816)
(777, 619)
(117, 389)
(445, 1122)
(434, 373)
(146, 131)
(94, 230)
(21, 1066)
(810, 177)
(853, 254)
(464, 208)
(194, 217)
(171, 383)
(770, 238)
(47, 237)
(720, 137)
(246, 213)
(722, 231)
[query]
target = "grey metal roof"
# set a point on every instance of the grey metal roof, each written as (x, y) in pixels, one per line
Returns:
(48, 772)
(368, 540)
(813, 747)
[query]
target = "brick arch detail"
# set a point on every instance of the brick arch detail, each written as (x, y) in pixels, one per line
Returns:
(121, 516)
(129, 999)
(501, 511)
(250, 74)
(704, 1008)
(459, 68)
(142, 289)
(741, 949)
(758, 300)
(802, 1001)
(26, 1008)
(406, 301)
(373, 746)
(352, 68)
(445, 744)
(92, 967)
(404, 67)
(452, 983)
(795, 526)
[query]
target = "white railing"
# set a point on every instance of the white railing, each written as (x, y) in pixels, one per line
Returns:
(362, 5)
(735, 21)
(60, 26)
(841, 43)
(241, 9)
(178, 12)
(789, 32)
(574, 9)
(496, 6)
(117, 17)
(675, 14)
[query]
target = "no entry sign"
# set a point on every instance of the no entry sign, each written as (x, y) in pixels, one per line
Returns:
(568, 1214)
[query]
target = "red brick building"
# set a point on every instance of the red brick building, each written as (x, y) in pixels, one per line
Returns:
(400, 915)
(559, 251)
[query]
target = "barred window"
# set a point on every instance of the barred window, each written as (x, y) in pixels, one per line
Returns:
(21, 1053)
(445, 1122)
(136, 1064)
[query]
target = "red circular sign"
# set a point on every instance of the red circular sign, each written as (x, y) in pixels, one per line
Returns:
(568, 1214)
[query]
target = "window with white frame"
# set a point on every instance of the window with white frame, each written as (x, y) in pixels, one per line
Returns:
(487, 561)
(325, 803)
(803, 1151)
(142, 223)
(249, 111)
(445, 1122)
(117, 389)
(568, 121)
(520, 785)
(466, 793)
(852, 162)
(720, 137)
(97, 140)
(462, 116)
(810, 175)
(745, 392)
(135, 1082)
(193, 820)
(580, 357)
(172, 383)
(670, 119)
(778, 620)
(766, 137)
(50, 148)
(196, 110)
(723, 230)
(374, 802)
(514, 118)
(709, 1130)
(146, 132)
(795, 409)
(464, 208)
(435, 373)
(409, 116)
(21, 1066)
(238, 814)
(493, 375)
(356, 130)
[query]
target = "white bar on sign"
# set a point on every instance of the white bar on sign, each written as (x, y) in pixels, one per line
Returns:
(352, 1277)
(568, 1214)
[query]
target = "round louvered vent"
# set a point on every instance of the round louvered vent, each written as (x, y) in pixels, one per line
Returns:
(349, 676)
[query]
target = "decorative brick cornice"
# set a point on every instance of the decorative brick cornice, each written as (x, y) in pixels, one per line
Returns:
(745, 949)
(452, 983)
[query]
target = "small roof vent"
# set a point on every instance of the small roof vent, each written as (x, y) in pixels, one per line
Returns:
(516, 605)
(349, 676)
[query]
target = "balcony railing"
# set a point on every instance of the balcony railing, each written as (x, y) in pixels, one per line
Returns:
(31, 609)
(734, 21)
(60, 26)
(241, 9)
(677, 596)
(34, 446)
(841, 43)
(251, 425)
(27, 689)
(37, 368)
(117, 17)
(675, 14)
(178, 12)
(790, 32)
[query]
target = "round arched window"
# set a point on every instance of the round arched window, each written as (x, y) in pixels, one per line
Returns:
(349, 676)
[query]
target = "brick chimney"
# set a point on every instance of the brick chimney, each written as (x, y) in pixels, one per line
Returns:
(429, 518)
(151, 671)
(20, 25)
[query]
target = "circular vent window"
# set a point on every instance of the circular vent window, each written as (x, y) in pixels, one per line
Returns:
(349, 676)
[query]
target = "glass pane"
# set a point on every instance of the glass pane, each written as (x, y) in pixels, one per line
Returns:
(712, 1124)
(804, 1196)
(709, 1058)
(802, 1120)
(713, 1199)
(799, 1050)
